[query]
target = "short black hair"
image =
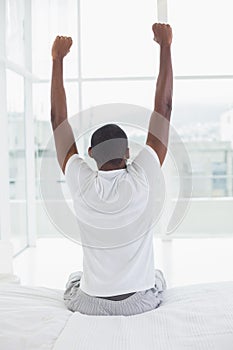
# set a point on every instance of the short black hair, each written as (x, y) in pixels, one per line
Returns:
(109, 144)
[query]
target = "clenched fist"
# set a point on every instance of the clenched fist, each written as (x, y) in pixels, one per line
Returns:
(162, 34)
(61, 47)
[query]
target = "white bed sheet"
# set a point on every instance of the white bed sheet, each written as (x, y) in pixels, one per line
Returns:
(30, 318)
(198, 317)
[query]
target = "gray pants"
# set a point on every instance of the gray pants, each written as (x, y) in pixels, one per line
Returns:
(76, 300)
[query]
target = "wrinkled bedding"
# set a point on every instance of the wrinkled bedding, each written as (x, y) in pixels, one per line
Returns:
(195, 317)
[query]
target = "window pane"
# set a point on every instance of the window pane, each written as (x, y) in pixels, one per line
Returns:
(41, 100)
(16, 119)
(15, 30)
(134, 92)
(117, 38)
(202, 32)
(203, 117)
(49, 19)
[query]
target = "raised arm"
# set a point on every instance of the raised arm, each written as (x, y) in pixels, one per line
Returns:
(159, 123)
(63, 135)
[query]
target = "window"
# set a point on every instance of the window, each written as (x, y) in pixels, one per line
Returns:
(15, 108)
(114, 60)
(49, 19)
(116, 39)
(201, 36)
(200, 115)
(15, 14)
(202, 110)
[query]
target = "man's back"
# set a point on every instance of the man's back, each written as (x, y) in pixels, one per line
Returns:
(116, 211)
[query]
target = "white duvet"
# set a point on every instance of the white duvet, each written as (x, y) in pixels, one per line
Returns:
(198, 317)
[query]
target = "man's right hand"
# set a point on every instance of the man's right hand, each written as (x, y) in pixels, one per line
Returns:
(61, 47)
(162, 34)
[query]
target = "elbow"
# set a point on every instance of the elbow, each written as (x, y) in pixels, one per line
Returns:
(55, 119)
(168, 102)
(168, 109)
(164, 109)
(169, 105)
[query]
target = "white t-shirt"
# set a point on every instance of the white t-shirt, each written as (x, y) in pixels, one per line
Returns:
(116, 211)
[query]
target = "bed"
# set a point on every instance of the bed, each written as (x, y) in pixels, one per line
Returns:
(195, 317)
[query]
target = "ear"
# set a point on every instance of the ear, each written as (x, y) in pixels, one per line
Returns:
(90, 152)
(127, 153)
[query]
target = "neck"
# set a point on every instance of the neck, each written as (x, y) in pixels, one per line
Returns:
(108, 166)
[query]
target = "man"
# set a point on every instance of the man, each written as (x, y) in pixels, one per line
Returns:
(111, 204)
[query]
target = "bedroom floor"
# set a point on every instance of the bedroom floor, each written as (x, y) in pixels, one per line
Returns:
(184, 261)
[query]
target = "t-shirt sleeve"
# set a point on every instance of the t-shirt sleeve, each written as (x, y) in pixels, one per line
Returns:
(146, 171)
(147, 160)
(77, 174)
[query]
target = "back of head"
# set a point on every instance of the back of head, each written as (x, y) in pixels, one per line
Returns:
(109, 145)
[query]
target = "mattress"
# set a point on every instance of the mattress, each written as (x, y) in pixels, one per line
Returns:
(195, 317)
